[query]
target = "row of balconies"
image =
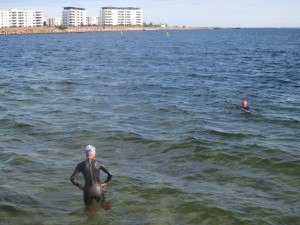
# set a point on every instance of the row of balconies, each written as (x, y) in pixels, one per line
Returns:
(73, 21)
(22, 17)
(119, 16)
(74, 16)
(20, 13)
(73, 13)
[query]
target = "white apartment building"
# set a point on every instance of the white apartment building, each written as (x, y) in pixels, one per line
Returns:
(21, 18)
(113, 16)
(4, 19)
(52, 22)
(92, 20)
(73, 16)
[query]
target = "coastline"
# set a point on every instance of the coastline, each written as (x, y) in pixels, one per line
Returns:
(84, 29)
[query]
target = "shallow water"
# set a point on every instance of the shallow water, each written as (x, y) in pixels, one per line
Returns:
(164, 113)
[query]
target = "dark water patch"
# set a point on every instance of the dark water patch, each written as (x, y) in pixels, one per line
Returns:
(10, 210)
(267, 215)
(66, 83)
(290, 168)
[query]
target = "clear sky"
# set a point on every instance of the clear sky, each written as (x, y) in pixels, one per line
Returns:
(206, 13)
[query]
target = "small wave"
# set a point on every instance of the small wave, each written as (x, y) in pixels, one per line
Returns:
(14, 159)
(290, 121)
(12, 121)
(16, 202)
(68, 82)
(190, 144)
(287, 99)
(20, 208)
(273, 164)
(20, 126)
(226, 135)
(125, 136)
(286, 121)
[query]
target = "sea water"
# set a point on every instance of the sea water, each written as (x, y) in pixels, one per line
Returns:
(164, 112)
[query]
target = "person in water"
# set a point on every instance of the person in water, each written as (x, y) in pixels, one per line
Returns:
(90, 168)
(245, 104)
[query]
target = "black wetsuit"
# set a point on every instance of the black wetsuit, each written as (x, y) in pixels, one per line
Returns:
(90, 168)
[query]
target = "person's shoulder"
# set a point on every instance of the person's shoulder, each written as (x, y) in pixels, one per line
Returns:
(81, 163)
(98, 163)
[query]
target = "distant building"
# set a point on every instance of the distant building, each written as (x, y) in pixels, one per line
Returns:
(52, 22)
(21, 18)
(128, 16)
(4, 19)
(92, 20)
(73, 16)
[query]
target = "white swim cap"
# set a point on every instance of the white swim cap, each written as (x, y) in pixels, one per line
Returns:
(90, 149)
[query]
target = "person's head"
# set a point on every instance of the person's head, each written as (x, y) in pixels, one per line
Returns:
(245, 104)
(90, 151)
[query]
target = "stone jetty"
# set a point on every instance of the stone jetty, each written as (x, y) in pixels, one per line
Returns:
(82, 29)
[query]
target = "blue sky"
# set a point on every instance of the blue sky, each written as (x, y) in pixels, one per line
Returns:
(215, 13)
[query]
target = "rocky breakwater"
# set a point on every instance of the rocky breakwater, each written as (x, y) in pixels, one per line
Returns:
(82, 29)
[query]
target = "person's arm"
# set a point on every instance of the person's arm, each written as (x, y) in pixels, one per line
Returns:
(108, 178)
(72, 178)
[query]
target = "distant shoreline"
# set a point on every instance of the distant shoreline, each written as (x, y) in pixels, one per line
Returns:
(84, 29)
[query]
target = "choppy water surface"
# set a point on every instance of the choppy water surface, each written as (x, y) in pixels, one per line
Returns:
(164, 113)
